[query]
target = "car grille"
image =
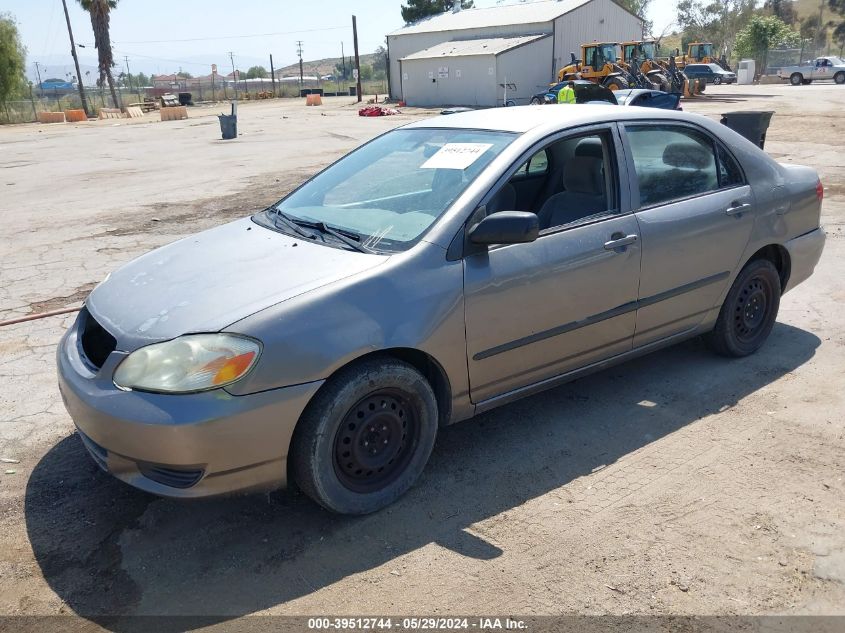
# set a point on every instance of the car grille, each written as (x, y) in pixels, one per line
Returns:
(97, 452)
(97, 343)
(175, 478)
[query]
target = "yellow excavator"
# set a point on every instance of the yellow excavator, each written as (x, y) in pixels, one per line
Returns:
(599, 64)
(642, 52)
(702, 53)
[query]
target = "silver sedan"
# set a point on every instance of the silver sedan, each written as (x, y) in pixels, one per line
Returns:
(442, 269)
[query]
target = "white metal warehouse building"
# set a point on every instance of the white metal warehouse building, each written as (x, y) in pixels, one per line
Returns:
(463, 57)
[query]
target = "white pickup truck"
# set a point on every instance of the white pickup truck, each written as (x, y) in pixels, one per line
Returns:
(819, 68)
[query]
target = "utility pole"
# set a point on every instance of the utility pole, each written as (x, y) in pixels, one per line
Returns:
(273, 75)
(299, 52)
(234, 74)
(357, 59)
(38, 73)
(129, 77)
(75, 61)
(343, 60)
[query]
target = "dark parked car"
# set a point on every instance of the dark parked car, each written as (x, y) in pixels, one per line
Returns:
(648, 98)
(712, 73)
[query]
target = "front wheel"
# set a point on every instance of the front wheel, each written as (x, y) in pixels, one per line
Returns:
(366, 437)
(617, 83)
(717, 80)
(839, 78)
(749, 311)
(536, 101)
(795, 79)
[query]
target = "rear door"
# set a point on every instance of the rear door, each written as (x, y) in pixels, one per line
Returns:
(695, 213)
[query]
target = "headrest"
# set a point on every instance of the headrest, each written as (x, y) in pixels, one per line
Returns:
(589, 147)
(583, 174)
(687, 156)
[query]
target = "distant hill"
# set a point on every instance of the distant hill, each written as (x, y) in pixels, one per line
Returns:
(322, 66)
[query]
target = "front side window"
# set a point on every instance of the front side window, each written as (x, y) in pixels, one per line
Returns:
(575, 183)
(391, 190)
(671, 163)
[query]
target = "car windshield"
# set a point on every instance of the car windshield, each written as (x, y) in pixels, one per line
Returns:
(716, 68)
(392, 189)
(836, 61)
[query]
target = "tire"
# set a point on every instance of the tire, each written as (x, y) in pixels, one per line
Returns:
(366, 436)
(536, 101)
(839, 78)
(796, 78)
(717, 80)
(749, 311)
(617, 83)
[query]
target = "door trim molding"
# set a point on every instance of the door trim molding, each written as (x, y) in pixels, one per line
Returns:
(625, 308)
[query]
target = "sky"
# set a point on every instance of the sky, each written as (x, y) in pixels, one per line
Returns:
(164, 36)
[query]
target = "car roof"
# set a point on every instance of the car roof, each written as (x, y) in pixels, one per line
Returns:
(522, 119)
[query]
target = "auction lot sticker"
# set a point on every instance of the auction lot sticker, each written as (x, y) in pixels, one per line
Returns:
(456, 155)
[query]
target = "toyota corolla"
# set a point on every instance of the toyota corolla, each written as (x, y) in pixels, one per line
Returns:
(440, 270)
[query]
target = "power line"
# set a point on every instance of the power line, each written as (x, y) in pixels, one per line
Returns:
(232, 37)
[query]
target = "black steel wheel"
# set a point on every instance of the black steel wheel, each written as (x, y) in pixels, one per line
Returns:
(375, 441)
(365, 437)
(748, 312)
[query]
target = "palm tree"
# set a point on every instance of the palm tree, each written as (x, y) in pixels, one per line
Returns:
(99, 11)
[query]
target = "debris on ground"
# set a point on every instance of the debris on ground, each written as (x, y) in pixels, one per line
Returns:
(9, 460)
(375, 110)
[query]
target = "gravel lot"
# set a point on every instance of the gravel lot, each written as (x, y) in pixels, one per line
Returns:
(679, 483)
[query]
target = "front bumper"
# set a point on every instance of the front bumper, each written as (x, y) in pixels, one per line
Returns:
(180, 445)
(804, 253)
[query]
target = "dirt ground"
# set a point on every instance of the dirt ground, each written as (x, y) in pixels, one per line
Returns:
(679, 483)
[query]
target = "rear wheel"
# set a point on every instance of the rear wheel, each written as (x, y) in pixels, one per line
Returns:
(839, 78)
(366, 436)
(749, 311)
(796, 78)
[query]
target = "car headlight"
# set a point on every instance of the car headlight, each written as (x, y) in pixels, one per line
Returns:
(194, 362)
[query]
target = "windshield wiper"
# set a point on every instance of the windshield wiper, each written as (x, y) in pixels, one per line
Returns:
(289, 222)
(350, 238)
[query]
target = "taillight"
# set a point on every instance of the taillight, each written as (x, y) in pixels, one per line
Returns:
(819, 190)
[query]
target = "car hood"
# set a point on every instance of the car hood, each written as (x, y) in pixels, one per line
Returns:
(208, 281)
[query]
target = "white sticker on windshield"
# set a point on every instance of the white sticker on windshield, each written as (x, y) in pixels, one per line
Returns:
(456, 155)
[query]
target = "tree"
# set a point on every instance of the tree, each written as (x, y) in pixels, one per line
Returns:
(639, 8)
(838, 34)
(761, 34)
(142, 80)
(99, 11)
(714, 22)
(12, 58)
(380, 59)
(257, 72)
(184, 75)
(366, 72)
(784, 9)
(419, 9)
(810, 30)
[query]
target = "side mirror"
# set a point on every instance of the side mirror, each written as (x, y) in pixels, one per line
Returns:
(506, 227)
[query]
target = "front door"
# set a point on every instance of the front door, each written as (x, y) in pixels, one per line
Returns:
(538, 310)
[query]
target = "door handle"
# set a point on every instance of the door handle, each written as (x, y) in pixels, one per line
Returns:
(619, 240)
(736, 208)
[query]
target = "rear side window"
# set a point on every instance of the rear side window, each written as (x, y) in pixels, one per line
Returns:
(730, 175)
(671, 163)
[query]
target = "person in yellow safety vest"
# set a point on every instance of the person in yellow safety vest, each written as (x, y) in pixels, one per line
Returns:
(567, 93)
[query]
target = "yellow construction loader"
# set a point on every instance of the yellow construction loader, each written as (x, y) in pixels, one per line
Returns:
(599, 64)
